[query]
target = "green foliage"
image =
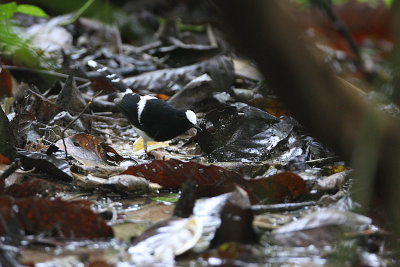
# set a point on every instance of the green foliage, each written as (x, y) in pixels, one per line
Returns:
(8, 10)
(12, 45)
(101, 9)
(371, 2)
(79, 12)
(14, 48)
(31, 10)
(172, 198)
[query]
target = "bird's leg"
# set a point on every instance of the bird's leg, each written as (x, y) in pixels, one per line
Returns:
(145, 145)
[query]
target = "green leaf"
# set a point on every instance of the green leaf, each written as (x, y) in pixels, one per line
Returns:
(388, 2)
(172, 198)
(31, 10)
(7, 10)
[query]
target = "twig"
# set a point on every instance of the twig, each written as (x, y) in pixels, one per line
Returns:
(10, 170)
(84, 85)
(48, 72)
(77, 14)
(107, 119)
(91, 116)
(50, 102)
(28, 171)
(74, 120)
(211, 37)
(112, 135)
(322, 160)
(282, 206)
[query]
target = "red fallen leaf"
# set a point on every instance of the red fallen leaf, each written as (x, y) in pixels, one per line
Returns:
(213, 180)
(31, 188)
(4, 160)
(278, 188)
(69, 219)
(6, 82)
(171, 174)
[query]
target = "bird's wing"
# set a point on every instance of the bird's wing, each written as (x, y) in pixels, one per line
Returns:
(162, 121)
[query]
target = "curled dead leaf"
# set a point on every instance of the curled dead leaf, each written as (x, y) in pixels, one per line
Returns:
(88, 149)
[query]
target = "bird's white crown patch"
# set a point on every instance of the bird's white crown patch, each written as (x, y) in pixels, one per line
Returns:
(191, 116)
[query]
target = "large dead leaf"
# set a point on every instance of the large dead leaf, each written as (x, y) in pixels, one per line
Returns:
(242, 133)
(171, 174)
(55, 217)
(213, 180)
(39, 162)
(88, 149)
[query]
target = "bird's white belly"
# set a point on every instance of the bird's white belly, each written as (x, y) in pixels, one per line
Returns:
(143, 134)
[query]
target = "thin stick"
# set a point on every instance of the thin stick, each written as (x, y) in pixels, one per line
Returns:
(48, 72)
(50, 102)
(10, 170)
(77, 14)
(74, 120)
(101, 118)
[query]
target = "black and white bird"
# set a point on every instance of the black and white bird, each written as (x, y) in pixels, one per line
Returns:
(154, 119)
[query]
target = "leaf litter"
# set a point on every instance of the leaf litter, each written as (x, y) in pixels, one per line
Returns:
(264, 192)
